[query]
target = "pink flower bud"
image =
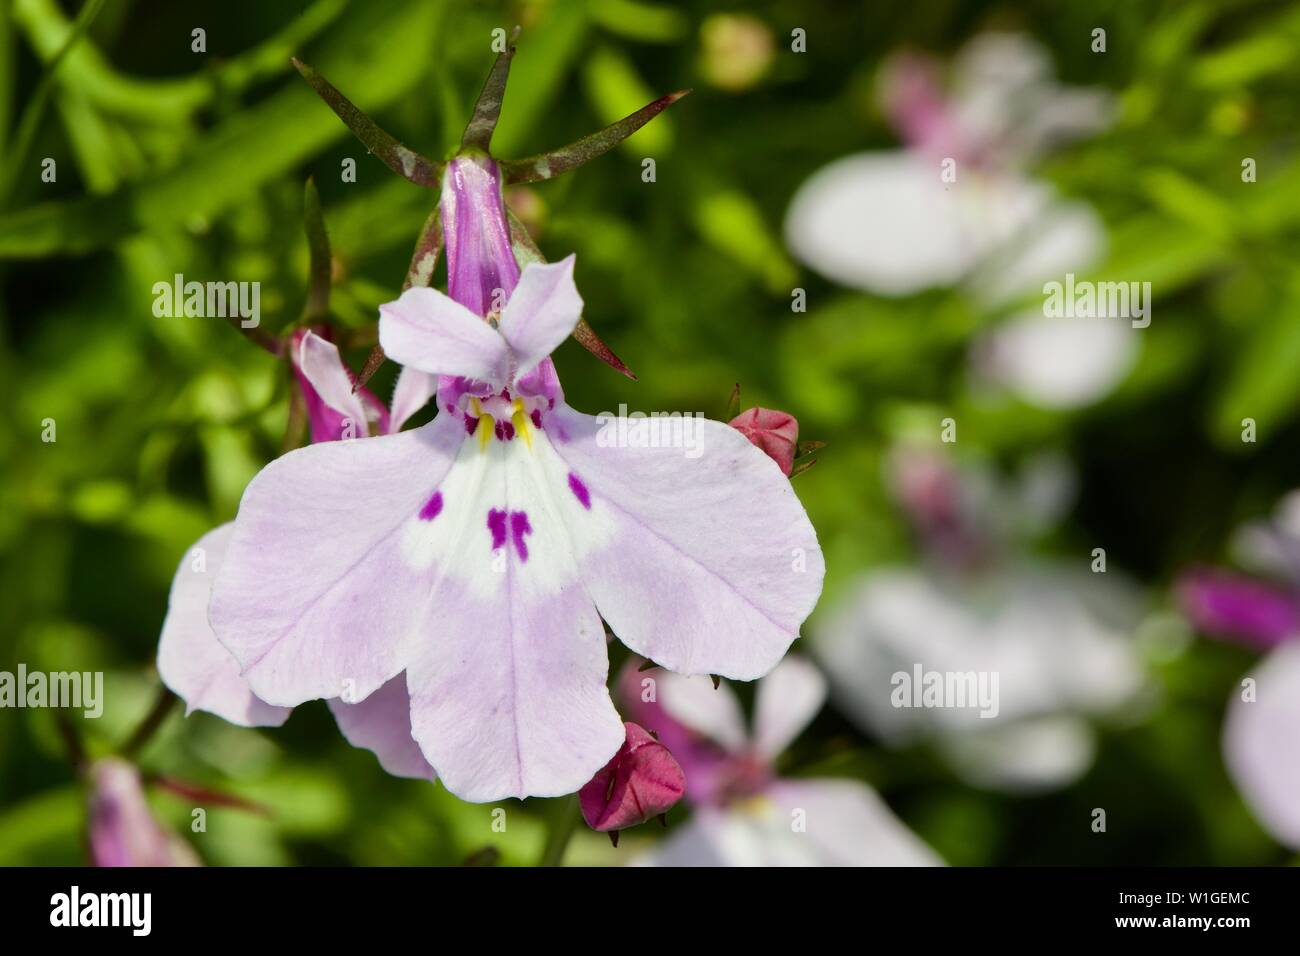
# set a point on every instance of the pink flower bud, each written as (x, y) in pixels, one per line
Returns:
(641, 781)
(775, 433)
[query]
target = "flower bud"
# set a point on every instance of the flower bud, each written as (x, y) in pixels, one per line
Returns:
(641, 781)
(775, 433)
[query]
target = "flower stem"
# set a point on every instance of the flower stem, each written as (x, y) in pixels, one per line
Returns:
(563, 824)
(162, 707)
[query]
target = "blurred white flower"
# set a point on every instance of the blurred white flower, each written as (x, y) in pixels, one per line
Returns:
(891, 223)
(1056, 639)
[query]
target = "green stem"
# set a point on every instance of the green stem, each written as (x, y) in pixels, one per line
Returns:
(162, 707)
(564, 823)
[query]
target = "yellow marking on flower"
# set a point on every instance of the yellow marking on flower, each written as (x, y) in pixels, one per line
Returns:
(484, 431)
(758, 805)
(519, 419)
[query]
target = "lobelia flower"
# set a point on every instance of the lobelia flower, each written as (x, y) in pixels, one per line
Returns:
(744, 814)
(123, 830)
(194, 664)
(474, 554)
(641, 781)
(1261, 733)
(887, 222)
(1050, 642)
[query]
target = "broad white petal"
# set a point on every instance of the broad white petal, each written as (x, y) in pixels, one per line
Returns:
(785, 703)
(382, 724)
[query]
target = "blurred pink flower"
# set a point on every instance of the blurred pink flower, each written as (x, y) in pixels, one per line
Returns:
(641, 781)
(744, 813)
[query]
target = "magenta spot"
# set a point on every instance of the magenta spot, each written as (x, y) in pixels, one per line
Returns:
(496, 522)
(471, 423)
(451, 409)
(509, 430)
(537, 418)
(432, 508)
(580, 490)
(500, 432)
(519, 527)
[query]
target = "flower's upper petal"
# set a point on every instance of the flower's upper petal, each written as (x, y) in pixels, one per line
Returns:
(698, 706)
(702, 557)
(541, 313)
(411, 393)
(438, 335)
(323, 368)
(1026, 756)
(507, 678)
(1261, 740)
(786, 702)
(191, 661)
(382, 724)
(313, 597)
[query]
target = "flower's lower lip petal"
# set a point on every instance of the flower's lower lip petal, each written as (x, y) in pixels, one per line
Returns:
(314, 598)
(508, 695)
(847, 824)
(382, 724)
(191, 661)
(706, 562)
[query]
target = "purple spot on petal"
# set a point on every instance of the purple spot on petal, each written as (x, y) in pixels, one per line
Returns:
(471, 423)
(509, 430)
(451, 409)
(580, 490)
(496, 522)
(537, 418)
(432, 508)
(500, 432)
(519, 527)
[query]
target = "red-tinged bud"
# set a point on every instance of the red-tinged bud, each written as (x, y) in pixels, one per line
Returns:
(642, 781)
(775, 433)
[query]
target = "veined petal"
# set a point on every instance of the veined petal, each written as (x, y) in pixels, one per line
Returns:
(541, 313)
(704, 564)
(382, 724)
(313, 597)
(191, 661)
(507, 685)
(785, 703)
(323, 368)
(411, 393)
(436, 334)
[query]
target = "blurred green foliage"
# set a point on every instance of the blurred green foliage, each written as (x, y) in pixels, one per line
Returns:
(170, 161)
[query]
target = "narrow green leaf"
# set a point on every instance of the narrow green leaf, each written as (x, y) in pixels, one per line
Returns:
(552, 164)
(487, 108)
(401, 159)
